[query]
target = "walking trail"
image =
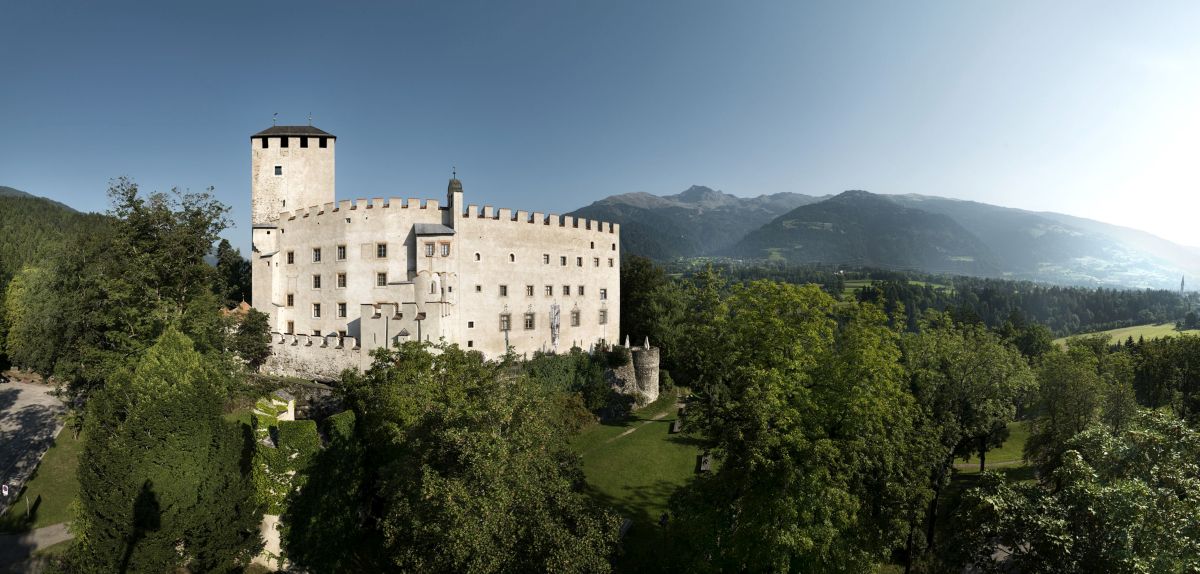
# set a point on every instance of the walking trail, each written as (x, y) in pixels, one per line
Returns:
(17, 547)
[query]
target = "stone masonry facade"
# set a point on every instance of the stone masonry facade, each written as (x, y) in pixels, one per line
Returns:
(340, 278)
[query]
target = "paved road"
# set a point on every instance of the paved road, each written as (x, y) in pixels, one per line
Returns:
(30, 418)
(14, 548)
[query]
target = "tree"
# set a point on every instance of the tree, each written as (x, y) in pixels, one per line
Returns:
(234, 274)
(253, 339)
(163, 478)
(802, 406)
(1127, 501)
(967, 382)
(652, 306)
(1069, 399)
(32, 307)
(464, 471)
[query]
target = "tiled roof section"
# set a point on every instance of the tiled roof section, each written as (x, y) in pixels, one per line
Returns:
(293, 131)
(432, 229)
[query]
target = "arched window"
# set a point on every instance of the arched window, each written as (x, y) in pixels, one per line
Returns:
(512, 257)
(477, 257)
(593, 245)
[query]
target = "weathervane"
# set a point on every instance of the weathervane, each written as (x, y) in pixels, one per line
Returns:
(310, 118)
(454, 172)
(274, 117)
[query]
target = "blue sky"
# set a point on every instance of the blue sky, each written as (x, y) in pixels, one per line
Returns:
(1088, 108)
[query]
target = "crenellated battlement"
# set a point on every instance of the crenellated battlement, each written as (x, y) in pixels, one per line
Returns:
(537, 217)
(363, 204)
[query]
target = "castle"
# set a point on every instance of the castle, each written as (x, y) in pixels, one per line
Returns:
(340, 278)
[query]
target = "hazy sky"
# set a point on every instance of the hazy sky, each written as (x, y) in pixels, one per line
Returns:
(1088, 108)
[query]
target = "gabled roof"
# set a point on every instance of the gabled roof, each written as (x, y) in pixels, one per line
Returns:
(293, 131)
(432, 229)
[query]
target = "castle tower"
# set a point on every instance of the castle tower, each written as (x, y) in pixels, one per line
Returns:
(291, 167)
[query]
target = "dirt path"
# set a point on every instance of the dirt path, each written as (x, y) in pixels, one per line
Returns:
(990, 465)
(17, 547)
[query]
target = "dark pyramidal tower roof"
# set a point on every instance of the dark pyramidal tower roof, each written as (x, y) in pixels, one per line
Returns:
(293, 131)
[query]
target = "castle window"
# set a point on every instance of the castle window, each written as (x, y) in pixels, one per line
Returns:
(264, 143)
(341, 280)
(529, 323)
(614, 247)
(316, 310)
(321, 142)
(341, 309)
(604, 316)
(433, 287)
(316, 332)
(595, 262)
(563, 260)
(546, 258)
(579, 262)
(470, 344)
(291, 325)
(279, 169)
(429, 250)
(445, 250)
(341, 252)
(303, 141)
(610, 261)
(477, 257)
(283, 141)
(316, 255)
(580, 291)
(512, 257)
(291, 257)
(593, 245)
(470, 324)
(505, 322)
(566, 290)
(504, 290)
(529, 290)
(381, 250)
(549, 290)
(603, 294)
(316, 281)
(341, 335)
(381, 279)
(479, 288)
(291, 299)
(575, 318)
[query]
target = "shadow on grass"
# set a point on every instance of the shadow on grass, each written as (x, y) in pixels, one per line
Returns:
(641, 549)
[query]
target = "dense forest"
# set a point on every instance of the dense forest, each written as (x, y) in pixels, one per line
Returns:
(833, 423)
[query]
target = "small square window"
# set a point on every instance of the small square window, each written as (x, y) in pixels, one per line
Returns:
(479, 288)
(381, 250)
(603, 294)
(291, 257)
(504, 290)
(341, 309)
(549, 290)
(580, 292)
(316, 282)
(470, 344)
(341, 252)
(610, 261)
(316, 255)
(595, 262)
(291, 299)
(529, 290)
(316, 332)
(603, 316)
(566, 290)
(283, 141)
(563, 260)
(575, 318)
(529, 324)
(303, 141)
(445, 250)
(546, 258)
(291, 325)
(316, 310)
(579, 262)
(279, 170)
(470, 324)
(381, 279)
(264, 146)
(429, 250)
(341, 280)
(505, 322)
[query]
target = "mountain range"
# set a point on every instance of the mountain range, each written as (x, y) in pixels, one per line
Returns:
(917, 232)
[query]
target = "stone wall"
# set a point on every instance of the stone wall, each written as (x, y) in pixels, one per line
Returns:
(639, 376)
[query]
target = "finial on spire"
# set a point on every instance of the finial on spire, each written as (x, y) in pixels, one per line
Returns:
(454, 172)
(274, 118)
(310, 118)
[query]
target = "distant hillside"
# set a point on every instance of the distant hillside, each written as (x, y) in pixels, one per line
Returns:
(863, 229)
(31, 225)
(699, 221)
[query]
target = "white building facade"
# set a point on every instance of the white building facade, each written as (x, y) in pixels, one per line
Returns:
(340, 278)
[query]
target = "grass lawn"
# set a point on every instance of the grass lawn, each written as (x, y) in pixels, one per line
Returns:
(1011, 453)
(633, 466)
(849, 287)
(1146, 331)
(51, 490)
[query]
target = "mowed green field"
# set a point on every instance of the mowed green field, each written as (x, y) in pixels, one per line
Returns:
(1138, 331)
(51, 490)
(1010, 454)
(634, 466)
